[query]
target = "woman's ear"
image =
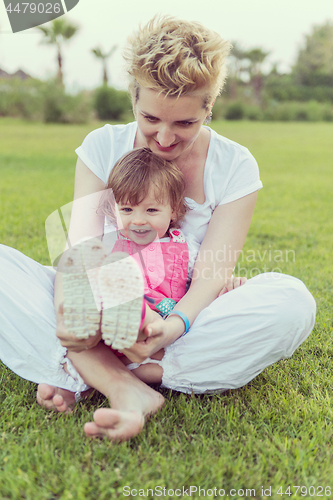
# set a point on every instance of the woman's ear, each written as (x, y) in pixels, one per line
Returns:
(208, 118)
(135, 99)
(210, 109)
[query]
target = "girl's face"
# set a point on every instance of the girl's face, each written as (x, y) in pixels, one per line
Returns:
(145, 222)
(167, 125)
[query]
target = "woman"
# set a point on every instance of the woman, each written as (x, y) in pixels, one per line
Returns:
(176, 70)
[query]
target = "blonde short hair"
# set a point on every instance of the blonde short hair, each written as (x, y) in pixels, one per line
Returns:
(176, 58)
(135, 174)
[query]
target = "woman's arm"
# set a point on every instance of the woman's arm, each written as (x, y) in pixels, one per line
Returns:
(218, 254)
(85, 223)
(215, 263)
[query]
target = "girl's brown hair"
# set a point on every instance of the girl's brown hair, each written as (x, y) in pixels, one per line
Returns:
(133, 176)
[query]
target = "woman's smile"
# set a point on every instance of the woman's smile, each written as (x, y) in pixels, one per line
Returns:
(166, 149)
(168, 125)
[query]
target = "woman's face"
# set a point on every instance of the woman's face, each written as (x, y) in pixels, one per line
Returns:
(167, 125)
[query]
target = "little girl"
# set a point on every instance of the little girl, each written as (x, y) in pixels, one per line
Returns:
(148, 200)
(145, 200)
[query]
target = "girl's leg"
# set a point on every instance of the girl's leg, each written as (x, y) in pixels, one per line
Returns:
(130, 399)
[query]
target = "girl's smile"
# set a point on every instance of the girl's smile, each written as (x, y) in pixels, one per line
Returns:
(145, 222)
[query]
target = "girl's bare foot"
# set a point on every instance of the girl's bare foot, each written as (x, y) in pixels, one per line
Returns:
(122, 424)
(55, 398)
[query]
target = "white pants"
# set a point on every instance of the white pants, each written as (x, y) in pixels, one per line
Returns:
(229, 343)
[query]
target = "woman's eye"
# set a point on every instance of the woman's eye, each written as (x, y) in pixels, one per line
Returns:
(150, 119)
(185, 124)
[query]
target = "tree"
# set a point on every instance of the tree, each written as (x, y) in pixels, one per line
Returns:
(98, 52)
(58, 32)
(314, 64)
(237, 56)
(256, 57)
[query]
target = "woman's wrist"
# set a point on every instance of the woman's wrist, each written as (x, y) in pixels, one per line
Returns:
(175, 327)
(183, 317)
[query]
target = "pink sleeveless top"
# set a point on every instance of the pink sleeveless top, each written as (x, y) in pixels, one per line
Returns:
(164, 265)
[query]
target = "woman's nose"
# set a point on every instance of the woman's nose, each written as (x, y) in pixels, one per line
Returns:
(165, 137)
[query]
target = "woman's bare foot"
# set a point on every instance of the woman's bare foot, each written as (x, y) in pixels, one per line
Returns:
(55, 398)
(122, 424)
(115, 425)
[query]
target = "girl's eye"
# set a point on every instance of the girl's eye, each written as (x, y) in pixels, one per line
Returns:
(127, 210)
(152, 210)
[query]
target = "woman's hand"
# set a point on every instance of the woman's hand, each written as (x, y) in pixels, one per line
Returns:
(232, 283)
(69, 340)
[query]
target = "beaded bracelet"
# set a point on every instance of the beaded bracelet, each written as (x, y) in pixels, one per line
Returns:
(184, 318)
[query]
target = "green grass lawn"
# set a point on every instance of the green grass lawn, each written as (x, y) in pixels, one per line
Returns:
(277, 431)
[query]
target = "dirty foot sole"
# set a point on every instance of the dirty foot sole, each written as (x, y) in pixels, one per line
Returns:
(82, 307)
(122, 288)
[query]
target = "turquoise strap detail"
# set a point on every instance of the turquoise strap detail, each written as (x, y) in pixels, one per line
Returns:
(184, 318)
(165, 306)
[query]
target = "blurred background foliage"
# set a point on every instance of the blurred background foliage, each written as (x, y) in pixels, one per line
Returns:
(303, 94)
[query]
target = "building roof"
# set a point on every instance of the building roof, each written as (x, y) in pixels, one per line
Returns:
(21, 75)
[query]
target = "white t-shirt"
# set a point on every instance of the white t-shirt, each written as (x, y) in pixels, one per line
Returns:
(231, 172)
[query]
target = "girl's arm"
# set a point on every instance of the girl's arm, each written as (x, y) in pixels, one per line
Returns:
(215, 263)
(85, 223)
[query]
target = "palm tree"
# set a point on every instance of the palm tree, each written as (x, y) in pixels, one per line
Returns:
(237, 56)
(56, 33)
(98, 52)
(256, 57)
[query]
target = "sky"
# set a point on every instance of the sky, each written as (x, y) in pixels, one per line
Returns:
(276, 26)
